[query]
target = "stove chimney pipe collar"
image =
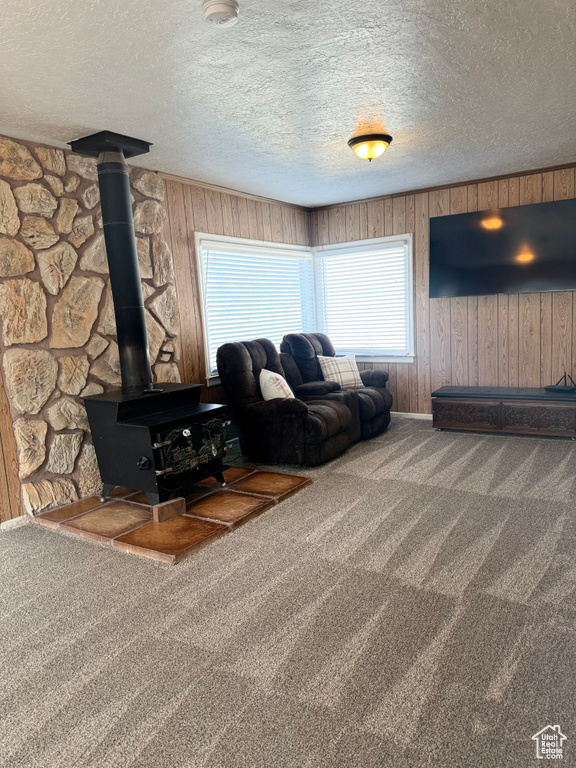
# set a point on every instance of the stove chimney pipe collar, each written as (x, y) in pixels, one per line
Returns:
(108, 141)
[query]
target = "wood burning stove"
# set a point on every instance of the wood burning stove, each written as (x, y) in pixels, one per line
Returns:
(162, 442)
(155, 438)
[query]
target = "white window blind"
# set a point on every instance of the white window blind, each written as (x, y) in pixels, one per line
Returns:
(363, 294)
(359, 294)
(252, 293)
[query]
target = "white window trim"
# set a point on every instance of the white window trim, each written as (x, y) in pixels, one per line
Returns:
(249, 245)
(240, 244)
(374, 244)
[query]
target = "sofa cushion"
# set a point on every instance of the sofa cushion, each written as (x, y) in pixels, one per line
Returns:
(316, 389)
(291, 371)
(325, 419)
(272, 385)
(305, 348)
(373, 401)
(239, 366)
(342, 370)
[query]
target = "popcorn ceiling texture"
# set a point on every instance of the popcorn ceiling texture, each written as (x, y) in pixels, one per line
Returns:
(467, 89)
(58, 333)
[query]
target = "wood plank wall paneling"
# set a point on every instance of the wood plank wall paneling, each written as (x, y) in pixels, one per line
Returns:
(10, 501)
(193, 208)
(506, 340)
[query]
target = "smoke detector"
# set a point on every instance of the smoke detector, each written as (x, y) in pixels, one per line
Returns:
(224, 13)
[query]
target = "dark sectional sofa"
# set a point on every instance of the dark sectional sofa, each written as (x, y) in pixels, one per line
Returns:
(319, 423)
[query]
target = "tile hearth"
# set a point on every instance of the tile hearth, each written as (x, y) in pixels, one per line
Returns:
(125, 521)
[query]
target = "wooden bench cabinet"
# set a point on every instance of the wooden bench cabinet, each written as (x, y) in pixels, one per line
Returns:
(520, 411)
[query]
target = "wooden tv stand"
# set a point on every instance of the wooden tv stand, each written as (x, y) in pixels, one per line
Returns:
(518, 411)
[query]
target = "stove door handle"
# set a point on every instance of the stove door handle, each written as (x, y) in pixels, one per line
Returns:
(161, 445)
(164, 471)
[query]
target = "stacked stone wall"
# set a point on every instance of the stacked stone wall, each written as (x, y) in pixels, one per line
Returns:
(58, 333)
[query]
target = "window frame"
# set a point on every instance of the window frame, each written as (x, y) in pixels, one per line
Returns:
(249, 245)
(374, 244)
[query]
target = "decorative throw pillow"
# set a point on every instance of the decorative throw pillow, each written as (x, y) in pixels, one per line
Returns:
(341, 369)
(273, 385)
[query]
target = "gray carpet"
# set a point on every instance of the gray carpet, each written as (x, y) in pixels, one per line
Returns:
(413, 607)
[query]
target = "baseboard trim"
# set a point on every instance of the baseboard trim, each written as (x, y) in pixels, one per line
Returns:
(427, 416)
(16, 522)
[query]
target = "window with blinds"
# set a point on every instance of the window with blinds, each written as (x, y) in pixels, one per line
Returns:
(254, 292)
(359, 294)
(364, 296)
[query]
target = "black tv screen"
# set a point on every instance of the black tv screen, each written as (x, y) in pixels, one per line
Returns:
(526, 249)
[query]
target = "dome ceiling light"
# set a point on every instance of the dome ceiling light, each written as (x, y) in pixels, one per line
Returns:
(370, 145)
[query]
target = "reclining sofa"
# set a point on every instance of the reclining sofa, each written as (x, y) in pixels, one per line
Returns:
(315, 426)
(299, 358)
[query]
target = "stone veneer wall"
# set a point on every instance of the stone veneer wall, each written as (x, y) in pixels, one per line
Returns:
(57, 339)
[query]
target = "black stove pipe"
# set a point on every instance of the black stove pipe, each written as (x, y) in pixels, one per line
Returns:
(112, 149)
(114, 183)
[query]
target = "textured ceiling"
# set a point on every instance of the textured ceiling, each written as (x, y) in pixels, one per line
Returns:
(468, 89)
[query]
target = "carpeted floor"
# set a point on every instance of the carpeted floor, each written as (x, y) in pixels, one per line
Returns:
(414, 606)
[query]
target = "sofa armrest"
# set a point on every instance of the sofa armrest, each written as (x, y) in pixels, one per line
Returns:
(373, 378)
(316, 388)
(278, 408)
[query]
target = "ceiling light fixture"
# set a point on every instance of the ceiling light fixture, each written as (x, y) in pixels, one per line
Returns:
(370, 145)
(223, 13)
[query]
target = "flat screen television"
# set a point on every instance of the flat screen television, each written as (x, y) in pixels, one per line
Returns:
(526, 249)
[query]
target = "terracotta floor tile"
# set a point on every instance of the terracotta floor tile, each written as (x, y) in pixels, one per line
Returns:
(198, 493)
(56, 516)
(171, 540)
(120, 491)
(141, 497)
(108, 521)
(231, 475)
(211, 512)
(230, 507)
(272, 484)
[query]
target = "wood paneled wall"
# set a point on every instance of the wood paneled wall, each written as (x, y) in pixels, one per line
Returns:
(10, 502)
(193, 208)
(505, 340)
(524, 340)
